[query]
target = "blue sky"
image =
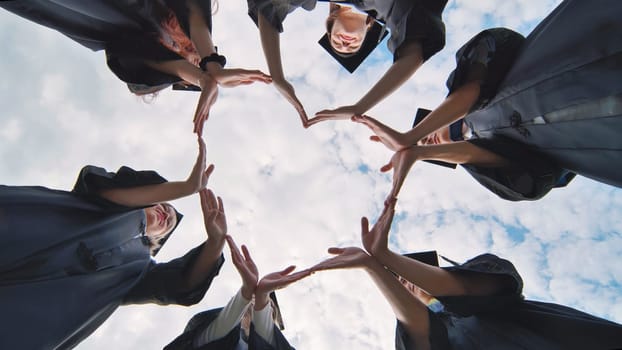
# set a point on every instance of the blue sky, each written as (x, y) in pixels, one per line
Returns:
(291, 193)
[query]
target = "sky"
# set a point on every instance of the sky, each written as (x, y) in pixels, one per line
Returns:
(291, 193)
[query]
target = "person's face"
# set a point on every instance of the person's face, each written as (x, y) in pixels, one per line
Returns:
(348, 31)
(438, 137)
(161, 219)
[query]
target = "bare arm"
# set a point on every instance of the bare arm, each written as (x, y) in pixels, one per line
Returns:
(270, 42)
(461, 152)
(403, 68)
(410, 59)
(216, 229)
(151, 194)
(407, 308)
(454, 107)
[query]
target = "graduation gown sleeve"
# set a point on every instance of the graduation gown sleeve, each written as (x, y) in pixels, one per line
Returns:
(162, 282)
(528, 176)
(275, 11)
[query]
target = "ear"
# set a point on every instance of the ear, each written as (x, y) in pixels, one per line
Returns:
(333, 7)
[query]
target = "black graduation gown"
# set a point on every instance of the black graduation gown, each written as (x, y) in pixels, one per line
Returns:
(562, 98)
(126, 29)
(407, 20)
(508, 322)
(69, 259)
(202, 320)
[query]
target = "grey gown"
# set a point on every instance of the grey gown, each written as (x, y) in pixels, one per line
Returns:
(234, 340)
(562, 98)
(507, 321)
(69, 259)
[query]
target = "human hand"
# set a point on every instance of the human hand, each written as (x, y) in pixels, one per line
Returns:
(232, 77)
(213, 216)
(199, 176)
(278, 280)
(376, 240)
(347, 258)
(394, 140)
(345, 112)
(209, 94)
(287, 90)
(401, 162)
(246, 268)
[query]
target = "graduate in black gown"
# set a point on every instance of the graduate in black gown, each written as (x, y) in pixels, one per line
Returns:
(532, 124)
(417, 32)
(250, 319)
(149, 44)
(69, 259)
(475, 305)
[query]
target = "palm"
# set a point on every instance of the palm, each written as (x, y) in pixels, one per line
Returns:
(200, 173)
(401, 162)
(209, 94)
(392, 139)
(237, 76)
(345, 112)
(280, 279)
(244, 264)
(376, 240)
(287, 90)
(351, 257)
(213, 215)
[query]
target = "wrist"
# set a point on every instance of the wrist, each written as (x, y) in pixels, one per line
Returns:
(261, 300)
(213, 58)
(247, 291)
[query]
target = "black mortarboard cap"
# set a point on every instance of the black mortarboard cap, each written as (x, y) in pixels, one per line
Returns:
(421, 114)
(429, 257)
(351, 61)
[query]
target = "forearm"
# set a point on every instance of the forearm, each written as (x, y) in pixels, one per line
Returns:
(147, 195)
(264, 323)
(407, 308)
(205, 262)
(434, 280)
(270, 42)
(199, 31)
(409, 61)
(180, 68)
(454, 107)
(461, 152)
(227, 319)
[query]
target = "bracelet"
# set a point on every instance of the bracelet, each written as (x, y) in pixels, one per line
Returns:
(220, 59)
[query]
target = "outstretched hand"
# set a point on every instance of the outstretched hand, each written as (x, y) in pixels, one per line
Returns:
(345, 112)
(376, 240)
(346, 258)
(392, 139)
(287, 90)
(213, 216)
(209, 94)
(280, 279)
(246, 268)
(401, 162)
(199, 176)
(232, 77)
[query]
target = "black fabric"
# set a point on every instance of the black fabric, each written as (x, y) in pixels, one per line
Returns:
(68, 261)
(93, 179)
(562, 95)
(126, 29)
(407, 20)
(506, 321)
(425, 26)
(486, 58)
(201, 321)
(528, 175)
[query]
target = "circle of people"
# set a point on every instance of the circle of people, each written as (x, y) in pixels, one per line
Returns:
(522, 116)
